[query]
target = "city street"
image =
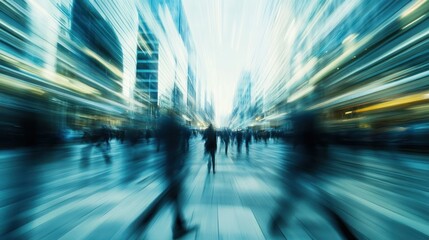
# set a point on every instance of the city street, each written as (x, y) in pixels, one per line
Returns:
(59, 198)
(114, 116)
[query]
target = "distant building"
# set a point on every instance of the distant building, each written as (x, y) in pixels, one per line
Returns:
(242, 107)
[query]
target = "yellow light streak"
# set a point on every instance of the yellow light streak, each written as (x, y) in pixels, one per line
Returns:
(397, 102)
(70, 84)
(55, 78)
(413, 8)
(106, 64)
(15, 83)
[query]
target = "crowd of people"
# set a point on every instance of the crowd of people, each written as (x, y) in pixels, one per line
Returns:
(100, 137)
(172, 139)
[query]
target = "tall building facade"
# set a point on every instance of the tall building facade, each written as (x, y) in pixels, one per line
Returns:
(146, 89)
(102, 51)
(165, 73)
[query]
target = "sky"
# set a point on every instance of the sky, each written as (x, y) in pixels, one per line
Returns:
(226, 34)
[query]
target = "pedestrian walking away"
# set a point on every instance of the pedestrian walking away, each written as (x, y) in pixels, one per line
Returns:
(210, 146)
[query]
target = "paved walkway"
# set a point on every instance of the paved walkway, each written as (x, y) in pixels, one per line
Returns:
(237, 203)
(60, 199)
(380, 194)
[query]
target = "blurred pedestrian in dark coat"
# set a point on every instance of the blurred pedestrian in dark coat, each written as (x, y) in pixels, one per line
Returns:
(226, 139)
(309, 151)
(248, 139)
(171, 136)
(210, 146)
(239, 139)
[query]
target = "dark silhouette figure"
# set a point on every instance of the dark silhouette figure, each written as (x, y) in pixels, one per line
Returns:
(239, 139)
(248, 139)
(148, 135)
(226, 139)
(186, 137)
(133, 136)
(158, 139)
(24, 182)
(265, 136)
(309, 145)
(171, 136)
(98, 138)
(210, 146)
(121, 135)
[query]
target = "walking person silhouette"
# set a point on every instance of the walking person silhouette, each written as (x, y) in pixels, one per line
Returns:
(210, 146)
(171, 137)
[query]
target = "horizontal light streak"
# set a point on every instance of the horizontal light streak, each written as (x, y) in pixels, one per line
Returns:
(396, 102)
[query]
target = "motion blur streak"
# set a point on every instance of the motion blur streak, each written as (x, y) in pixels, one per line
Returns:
(214, 119)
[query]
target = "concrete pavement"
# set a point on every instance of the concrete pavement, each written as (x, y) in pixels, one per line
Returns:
(380, 194)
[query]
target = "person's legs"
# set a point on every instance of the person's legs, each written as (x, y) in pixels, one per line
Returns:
(342, 226)
(213, 162)
(107, 143)
(287, 203)
(86, 154)
(209, 160)
(180, 227)
(179, 222)
(212, 155)
(103, 151)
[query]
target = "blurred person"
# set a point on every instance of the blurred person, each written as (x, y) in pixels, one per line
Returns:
(219, 135)
(248, 139)
(301, 174)
(106, 136)
(134, 136)
(171, 137)
(256, 136)
(265, 136)
(186, 138)
(98, 138)
(226, 139)
(158, 139)
(147, 135)
(23, 176)
(239, 140)
(210, 146)
(233, 137)
(121, 135)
